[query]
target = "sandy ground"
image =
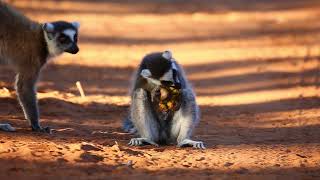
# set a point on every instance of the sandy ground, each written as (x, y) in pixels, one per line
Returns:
(254, 66)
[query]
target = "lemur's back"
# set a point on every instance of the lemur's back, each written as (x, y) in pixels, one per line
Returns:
(18, 34)
(11, 18)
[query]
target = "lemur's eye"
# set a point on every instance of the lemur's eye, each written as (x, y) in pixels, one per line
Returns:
(75, 37)
(63, 39)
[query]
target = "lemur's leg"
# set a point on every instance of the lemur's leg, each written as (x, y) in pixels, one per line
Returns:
(26, 90)
(143, 119)
(184, 121)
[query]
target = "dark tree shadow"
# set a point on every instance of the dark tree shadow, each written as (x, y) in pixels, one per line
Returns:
(281, 80)
(167, 6)
(69, 120)
(260, 123)
(23, 169)
(116, 81)
(241, 35)
(217, 127)
(95, 80)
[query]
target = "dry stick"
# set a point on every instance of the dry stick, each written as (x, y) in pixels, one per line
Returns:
(5, 90)
(78, 84)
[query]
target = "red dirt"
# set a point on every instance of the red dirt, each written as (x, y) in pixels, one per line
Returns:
(254, 66)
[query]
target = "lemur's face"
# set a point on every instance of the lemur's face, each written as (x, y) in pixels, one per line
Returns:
(163, 68)
(170, 77)
(61, 37)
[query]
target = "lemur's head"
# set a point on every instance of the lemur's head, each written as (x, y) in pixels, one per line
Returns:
(162, 67)
(61, 37)
(161, 70)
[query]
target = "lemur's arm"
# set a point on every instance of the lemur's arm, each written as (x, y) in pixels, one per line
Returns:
(146, 74)
(152, 85)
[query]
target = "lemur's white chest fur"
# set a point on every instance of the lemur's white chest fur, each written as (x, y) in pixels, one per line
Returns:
(51, 45)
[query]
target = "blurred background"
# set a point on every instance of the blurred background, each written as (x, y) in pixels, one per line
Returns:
(254, 65)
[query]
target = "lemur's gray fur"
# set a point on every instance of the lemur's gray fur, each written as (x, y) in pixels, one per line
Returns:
(26, 45)
(152, 129)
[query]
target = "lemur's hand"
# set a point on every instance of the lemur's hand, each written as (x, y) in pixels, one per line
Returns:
(155, 94)
(153, 85)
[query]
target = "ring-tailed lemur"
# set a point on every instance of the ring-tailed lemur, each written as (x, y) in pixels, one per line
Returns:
(27, 45)
(157, 70)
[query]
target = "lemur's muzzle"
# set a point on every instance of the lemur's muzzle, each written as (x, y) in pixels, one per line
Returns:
(74, 49)
(176, 85)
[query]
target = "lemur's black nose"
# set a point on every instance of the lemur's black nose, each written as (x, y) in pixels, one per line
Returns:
(73, 49)
(167, 83)
(76, 50)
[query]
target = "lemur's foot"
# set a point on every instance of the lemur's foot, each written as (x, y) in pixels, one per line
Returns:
(7, 127)
(189, 142)
(42, 130)
(141, 142)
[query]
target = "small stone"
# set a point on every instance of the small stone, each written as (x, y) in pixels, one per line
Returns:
(227, 164)
(200, 159)
(88, 147)
(186, 165)
(302, 156)
(88, 157)
(129, 164)
(242, 170)
(277, 165)
(62, 160)
(116, 147)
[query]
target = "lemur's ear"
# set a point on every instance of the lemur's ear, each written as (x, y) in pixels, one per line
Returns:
(174, 66)
(48, 27)
(76, 24)
(167, 55)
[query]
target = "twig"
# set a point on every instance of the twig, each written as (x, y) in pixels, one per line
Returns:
(78, 84)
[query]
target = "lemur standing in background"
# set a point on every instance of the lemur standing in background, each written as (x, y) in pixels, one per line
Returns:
(27, 45)
(163, 106)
